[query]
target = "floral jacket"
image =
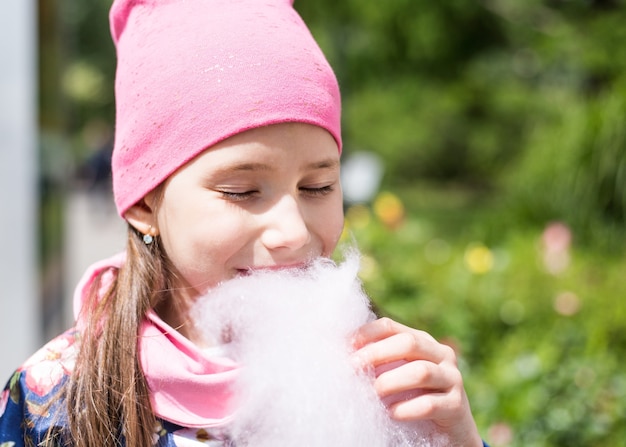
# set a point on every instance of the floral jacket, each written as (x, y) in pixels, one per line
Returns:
(28, 402)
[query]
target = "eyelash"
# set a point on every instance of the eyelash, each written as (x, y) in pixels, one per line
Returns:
(237, 196)
(241, 196)
(322, 191)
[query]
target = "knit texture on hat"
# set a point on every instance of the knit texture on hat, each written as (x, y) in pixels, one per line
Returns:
(192, 73)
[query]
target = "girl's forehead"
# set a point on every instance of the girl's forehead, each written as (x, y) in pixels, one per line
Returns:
(295, 146)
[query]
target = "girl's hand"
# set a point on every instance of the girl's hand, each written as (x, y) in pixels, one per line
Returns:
(418, 378)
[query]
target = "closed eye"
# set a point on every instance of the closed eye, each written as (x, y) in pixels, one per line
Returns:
(240, 196)
(321, 191)
(237, 196)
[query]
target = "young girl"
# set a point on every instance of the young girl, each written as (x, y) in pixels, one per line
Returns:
(226, 160)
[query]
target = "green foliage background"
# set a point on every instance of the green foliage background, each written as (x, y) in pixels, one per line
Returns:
(493, 118)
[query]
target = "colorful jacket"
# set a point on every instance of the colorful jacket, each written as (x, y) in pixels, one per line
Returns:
(29, 402)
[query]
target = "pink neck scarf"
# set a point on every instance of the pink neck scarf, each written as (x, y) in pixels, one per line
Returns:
(186, 387)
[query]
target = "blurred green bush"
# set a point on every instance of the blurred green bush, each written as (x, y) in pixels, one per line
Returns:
(535, 317)
(521, 101)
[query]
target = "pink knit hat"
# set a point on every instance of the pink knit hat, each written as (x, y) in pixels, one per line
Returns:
(194, 72)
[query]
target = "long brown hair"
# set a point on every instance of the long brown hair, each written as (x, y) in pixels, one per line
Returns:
(107, 396)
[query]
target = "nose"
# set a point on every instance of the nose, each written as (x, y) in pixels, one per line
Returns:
(285, 225)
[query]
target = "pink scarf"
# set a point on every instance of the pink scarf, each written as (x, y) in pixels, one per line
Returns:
(186, 387)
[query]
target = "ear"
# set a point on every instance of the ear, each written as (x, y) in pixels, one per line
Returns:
(142, 215)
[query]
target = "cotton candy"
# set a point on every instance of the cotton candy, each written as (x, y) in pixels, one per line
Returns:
(291, 333)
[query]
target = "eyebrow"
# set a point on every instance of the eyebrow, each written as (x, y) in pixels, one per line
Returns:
(237, 167)
(330, 163)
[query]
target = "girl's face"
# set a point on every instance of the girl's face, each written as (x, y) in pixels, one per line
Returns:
(266, 198)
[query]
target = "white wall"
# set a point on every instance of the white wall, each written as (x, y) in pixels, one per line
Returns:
(20, 326)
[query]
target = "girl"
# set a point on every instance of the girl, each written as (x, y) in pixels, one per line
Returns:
(226, 160)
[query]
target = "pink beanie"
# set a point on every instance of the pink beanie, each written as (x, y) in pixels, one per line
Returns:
(191, 73)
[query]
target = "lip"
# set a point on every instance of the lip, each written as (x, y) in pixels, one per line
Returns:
(273, 268)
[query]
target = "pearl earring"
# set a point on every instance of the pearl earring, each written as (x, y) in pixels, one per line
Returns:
(147, 238)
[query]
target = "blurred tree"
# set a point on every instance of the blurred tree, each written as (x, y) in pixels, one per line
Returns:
(77, 66)
(400, 66)
(470, 93)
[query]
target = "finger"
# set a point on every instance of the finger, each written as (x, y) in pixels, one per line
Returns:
(377, 330)
(441, 407)
(405, 346)
(418, 375)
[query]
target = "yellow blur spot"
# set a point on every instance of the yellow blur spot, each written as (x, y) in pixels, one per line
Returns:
(84, 82)
(478, 259)
(358, 216)
(369, 268)
(389, 209)
(345, 232)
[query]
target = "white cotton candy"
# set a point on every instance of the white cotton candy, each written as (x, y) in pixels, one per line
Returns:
(291, 331)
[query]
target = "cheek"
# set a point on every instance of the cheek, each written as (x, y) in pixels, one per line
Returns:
(199, 244)
(332, 223)
(338, 231)
(200, 260)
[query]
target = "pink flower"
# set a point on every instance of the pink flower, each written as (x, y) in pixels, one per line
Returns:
(4, 399)
(557, 239)
(45, 369)
(500, 434)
